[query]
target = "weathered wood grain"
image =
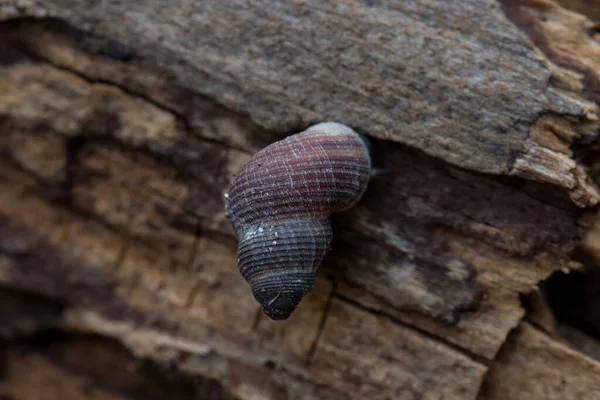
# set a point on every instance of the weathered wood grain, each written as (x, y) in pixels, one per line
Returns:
(121, 126)
(533, 366)
(56, 369)
(400, 218)
(399, 70)
(65, 260)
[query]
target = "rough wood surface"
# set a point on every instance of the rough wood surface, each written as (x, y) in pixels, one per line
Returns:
(533, 366)
(121, 125)
(51, 366)
(402, 71)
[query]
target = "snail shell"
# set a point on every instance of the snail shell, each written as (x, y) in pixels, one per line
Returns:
(279, 205)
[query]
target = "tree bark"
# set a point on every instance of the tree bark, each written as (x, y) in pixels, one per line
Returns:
(467, 272)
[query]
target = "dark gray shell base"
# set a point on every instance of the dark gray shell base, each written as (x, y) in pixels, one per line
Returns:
(280, 260)
(278, 303)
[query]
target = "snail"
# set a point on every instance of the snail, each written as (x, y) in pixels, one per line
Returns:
(279, 205)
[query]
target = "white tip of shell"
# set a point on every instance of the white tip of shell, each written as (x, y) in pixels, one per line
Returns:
(332, 127)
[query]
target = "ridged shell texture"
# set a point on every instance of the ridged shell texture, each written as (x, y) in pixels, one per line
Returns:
(279, 205)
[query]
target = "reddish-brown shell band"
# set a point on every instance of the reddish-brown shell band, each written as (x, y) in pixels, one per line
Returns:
(279, 205)
(309, 175)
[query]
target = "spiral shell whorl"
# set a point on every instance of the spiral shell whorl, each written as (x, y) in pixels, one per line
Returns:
(280, 261)
(279, 205)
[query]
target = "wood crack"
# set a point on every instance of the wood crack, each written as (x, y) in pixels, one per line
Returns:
(438, 339)
(314, 345)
